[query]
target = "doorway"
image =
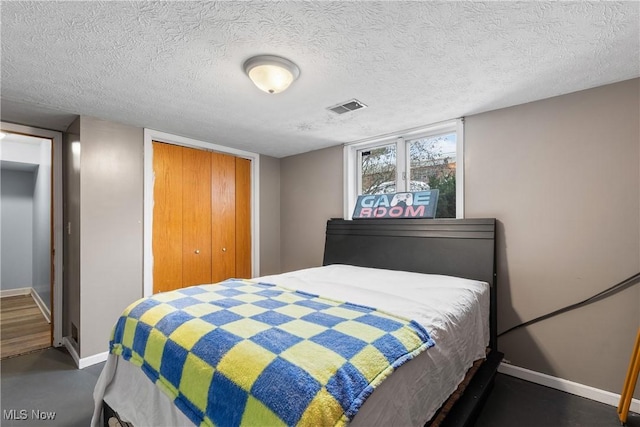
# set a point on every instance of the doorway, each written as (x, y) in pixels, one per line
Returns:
(31, 235)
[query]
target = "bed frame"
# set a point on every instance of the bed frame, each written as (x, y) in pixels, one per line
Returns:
(454, 247)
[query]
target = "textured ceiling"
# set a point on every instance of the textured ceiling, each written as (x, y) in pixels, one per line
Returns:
(177, 66)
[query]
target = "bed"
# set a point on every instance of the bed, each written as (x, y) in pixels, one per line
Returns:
(381, 264)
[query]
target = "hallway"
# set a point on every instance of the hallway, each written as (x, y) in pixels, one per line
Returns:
(23, 327)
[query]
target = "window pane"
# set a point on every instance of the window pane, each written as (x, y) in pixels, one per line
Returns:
(378, 170)
(432, 165)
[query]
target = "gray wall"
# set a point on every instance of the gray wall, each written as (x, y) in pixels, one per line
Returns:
(26, 199)
(16, 231)
(562, 177)
(71, 234)
(42, 226)
(311, 193)
(111, 202)
(269, 215)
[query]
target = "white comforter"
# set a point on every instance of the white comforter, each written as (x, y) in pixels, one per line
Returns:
(454, 311)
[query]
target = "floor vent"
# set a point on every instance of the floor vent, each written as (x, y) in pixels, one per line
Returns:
(345, 107)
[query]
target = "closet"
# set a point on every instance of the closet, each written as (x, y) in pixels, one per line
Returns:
(201, 217)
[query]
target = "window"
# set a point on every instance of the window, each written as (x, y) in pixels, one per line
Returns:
(413, 160)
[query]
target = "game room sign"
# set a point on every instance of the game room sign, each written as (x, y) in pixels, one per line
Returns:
(418, 204)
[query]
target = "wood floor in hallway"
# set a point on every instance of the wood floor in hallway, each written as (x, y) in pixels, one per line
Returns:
(23, 327)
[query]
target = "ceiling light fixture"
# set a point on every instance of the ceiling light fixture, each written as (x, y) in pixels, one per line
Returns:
(272, 74)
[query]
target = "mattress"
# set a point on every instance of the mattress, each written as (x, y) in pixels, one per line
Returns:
(454, 311)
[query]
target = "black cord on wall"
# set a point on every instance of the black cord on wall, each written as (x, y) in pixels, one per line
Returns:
(607, 292)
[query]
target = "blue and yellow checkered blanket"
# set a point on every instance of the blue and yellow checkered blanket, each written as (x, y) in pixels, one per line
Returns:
(247, 353)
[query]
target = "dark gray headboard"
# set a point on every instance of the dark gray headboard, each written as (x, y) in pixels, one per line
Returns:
(454, 247)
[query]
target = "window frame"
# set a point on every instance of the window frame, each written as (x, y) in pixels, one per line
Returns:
(352, 163)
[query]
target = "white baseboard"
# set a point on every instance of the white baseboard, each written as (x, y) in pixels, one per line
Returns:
(567, 386)
(93, 360)
(85, 361)
(41, 305)
(14, 292)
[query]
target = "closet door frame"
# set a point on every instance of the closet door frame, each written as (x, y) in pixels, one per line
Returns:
(151, 135)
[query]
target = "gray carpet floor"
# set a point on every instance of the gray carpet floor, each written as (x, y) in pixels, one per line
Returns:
(514, 402)
(48, 381)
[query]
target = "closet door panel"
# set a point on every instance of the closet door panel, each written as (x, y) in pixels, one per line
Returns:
(223, 216)
(167, 217)
(196, 217)
(243, 218)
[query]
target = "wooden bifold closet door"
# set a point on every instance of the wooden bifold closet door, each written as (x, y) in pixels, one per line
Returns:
(201, 217)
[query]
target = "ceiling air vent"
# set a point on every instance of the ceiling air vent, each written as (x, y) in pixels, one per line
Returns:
(345, 107)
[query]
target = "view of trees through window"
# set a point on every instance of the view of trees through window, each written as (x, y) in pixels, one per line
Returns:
(379, 170)
(432, 165)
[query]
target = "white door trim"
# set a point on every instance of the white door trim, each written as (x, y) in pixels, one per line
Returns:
(56, 137)
(151, 135)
